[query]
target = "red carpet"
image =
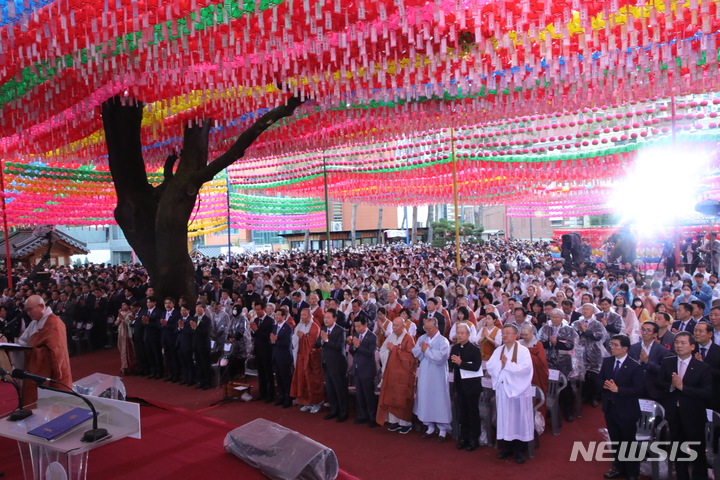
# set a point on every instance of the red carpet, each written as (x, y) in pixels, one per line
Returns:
(178, 441)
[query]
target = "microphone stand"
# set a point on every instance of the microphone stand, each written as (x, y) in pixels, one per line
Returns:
(91, 435)
(20, 413)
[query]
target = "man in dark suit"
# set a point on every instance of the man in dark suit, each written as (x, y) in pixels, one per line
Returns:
(168, 335)
(612, 322)
(185, 347)
(298, 304)
(650, 354)
(364, 368)
(709, 353)
(153, 345)
(434, 312)
(138, 336)
(261, 329)
(282, 359)
(622, 379)
(201, 326)
(687, 383)
(334, 362)
(684, 322)
(466, 361)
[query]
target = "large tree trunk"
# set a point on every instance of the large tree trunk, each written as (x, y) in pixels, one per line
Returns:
(380, 219)
(413, 239)
(353, 223)
(155, 219)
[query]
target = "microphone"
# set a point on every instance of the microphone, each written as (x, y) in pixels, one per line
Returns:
(22, 375)
(19, 413)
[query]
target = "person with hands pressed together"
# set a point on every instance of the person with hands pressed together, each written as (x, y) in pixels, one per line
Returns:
(686, 383)
(432, 404)
(623, 381)
(363, 348)
(261, 328)
(334, 362)
(282, 360)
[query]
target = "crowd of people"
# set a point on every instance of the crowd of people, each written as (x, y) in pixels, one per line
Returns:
(414, 339)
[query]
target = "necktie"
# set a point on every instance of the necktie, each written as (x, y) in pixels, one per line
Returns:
(703, 352)
(361, 337)
(617, 368)
(681, 369)
(277, 329)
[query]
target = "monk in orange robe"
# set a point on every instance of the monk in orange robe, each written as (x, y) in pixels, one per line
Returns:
(539, 360)
(307, 382)
(48, 356)
(397, 392)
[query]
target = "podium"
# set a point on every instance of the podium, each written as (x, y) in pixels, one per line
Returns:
(121, 419)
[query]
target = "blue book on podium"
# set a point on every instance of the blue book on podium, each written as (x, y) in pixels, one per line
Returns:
(62, 424)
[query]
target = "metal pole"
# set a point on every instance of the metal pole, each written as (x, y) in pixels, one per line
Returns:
(327, 209)
(507, 225)
(677, 228)
(531, 232)
(8, 260)
(227, 179)
(455, 198)
(407, 224)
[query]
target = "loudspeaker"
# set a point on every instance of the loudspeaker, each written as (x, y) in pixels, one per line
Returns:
(281, 453)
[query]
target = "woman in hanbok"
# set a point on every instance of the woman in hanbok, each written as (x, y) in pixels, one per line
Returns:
(125, 344)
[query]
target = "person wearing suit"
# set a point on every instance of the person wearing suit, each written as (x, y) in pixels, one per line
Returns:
(138, 337)
(153, 345)
(185, 335)
(298, 304)
(709, 353)
(622, 379)
(434, 312)
(684, 322)
(612, 322)
(650, 354)
(169, 336)
(363, 348)
(282, 358)
(262, 328)
(334, 362)
(687, 385)
(201, 326)
(466, 356)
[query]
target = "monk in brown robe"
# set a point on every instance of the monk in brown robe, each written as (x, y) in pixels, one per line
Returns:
(397, 392)
(307, 381)
(539, 360)
(48, 356)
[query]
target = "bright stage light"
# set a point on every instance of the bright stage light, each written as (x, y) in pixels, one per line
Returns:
(662, 187)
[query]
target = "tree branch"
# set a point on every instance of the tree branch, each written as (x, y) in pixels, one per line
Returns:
(167, 174)
(195, 148)
(237, 150)
(122, 123)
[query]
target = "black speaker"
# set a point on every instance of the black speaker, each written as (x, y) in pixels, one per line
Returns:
(281, 453)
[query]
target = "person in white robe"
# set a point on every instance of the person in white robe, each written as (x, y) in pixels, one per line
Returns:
(432, 403)
(511, 370)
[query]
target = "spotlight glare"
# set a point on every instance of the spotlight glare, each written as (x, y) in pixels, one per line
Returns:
(659, 189)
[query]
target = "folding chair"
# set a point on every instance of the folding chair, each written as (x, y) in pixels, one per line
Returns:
(556, 384)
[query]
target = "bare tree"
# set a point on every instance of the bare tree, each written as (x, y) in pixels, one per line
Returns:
(155, 219)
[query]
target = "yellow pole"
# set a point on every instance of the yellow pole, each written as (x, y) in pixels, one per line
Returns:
(455, 195)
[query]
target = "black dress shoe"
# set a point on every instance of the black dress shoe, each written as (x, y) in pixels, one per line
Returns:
(168, 379)
(268, 400)
(595, 403)
(330, 416)
(358, 421)
(205, 387)
(257, 399)
(372, 424)
(461, 444)
(427, 435)
(504, 454)
(287, 405)
(441, 439)
(341, 419)
(519, 458)
(612, 474)
(472, 446)
(278, 403)
(569, 418)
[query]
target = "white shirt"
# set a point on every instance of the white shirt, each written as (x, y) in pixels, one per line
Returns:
(686, 362)
(648, 348)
